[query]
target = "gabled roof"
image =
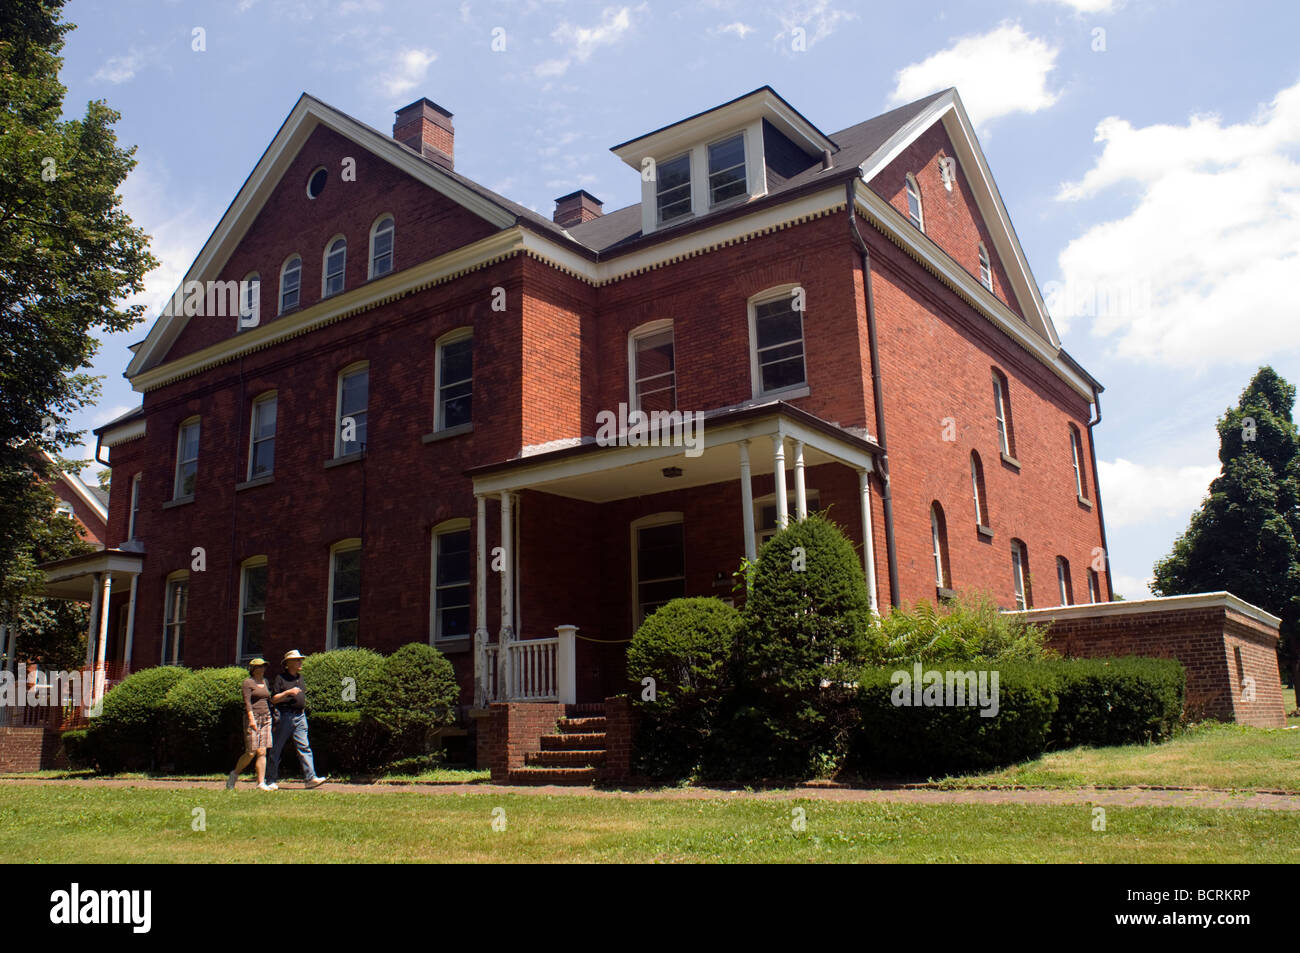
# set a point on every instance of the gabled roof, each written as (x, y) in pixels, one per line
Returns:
(94, 498)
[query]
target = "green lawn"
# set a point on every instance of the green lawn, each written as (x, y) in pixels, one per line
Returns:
(66, 823)
(1211, 754)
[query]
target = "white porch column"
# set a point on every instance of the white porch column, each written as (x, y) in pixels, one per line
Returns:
(778, 470)
(747, 502)
(102, 637)
(505, 690)
(130, 625)
(800, 493)
(566, 664)
(868, 540)
(481, 681)
(92, 629)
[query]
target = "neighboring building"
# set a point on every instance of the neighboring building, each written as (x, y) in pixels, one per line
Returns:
(419, 370)
(85, 504)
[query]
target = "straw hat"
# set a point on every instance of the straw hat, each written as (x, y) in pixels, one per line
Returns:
(292, 653)
(254, 663)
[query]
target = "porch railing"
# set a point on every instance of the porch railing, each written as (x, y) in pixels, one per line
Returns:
(539, 670)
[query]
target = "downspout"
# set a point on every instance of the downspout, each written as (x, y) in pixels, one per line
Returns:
(877, 387)
(1096, 483)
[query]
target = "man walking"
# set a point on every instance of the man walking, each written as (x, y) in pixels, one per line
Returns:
(290, 700)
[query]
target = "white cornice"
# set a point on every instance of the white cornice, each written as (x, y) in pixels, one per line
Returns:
(1200, 600)
(133, 430)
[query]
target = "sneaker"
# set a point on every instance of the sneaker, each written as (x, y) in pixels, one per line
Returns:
(265, 787)
(316, 782)
(272, 786)
(231, 779)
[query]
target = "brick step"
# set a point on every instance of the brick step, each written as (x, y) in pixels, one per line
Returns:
(574, 741)
(537, 775)
(582, 726)
(575, 758)
(586, 709)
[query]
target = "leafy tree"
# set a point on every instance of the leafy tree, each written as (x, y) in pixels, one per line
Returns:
(68, 255)
(1245, 538)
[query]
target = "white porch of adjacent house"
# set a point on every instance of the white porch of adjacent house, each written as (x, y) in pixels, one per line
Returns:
(737, 445)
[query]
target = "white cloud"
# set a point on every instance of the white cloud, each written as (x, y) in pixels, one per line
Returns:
(583, 41)
(409, 71)
(817, 18)
(1131, 587)
(741, 30)
(997, 73)
(1090, 6)
(1139, 493)
(1211, 242)
(119, 69)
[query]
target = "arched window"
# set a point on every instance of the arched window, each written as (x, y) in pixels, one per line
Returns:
(336, 259)
(652, 367)
(1063, 582)
(977, 489)
(290, 283)
(1076, 453)
(381, 246)
(914, 202)
(1020, 574)
(250, 301)
(986, 270)
(939, 539)
(1002, 411)
(1094, 586)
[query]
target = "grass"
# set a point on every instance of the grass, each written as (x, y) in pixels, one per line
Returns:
(430, 776)
(41, 823)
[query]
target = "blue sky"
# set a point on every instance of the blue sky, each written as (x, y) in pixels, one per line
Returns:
(1147, 151)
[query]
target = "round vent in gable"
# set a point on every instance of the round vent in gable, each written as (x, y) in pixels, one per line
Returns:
(316, 184)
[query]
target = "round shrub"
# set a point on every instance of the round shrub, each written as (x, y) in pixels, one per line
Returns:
(339, 680)
(344, 742)
(685, 647)
(127, 733)
(204, 720)
(76, 745)
(805, 624)
(1116, 701)
(413, 691)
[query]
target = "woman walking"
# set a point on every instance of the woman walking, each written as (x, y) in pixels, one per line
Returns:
(257, 733)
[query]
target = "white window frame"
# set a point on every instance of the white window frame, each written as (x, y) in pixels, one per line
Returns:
(667, 518)
(1094, 585)
(180, 443)
(442, 529)
(938, 542)
(649, 329)
(1000, 413)
(981, 505)
(135, 506)
(1063, 581)
(250, 302)
(64, 508)
(986, 268)
(253, 562)
(342, 546)
(690, 190)
(284, 270)
(451, 337)
(743, 136)
(170, 622)
(253, 441)
(763, 534)
(1018, 560)
(767, 296)
(338, 405)
(913, 191)
(307, 186)
(392, 247)
(325, 268)
(1076, 451)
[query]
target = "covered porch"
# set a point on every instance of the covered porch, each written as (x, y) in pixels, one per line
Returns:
(595, 536)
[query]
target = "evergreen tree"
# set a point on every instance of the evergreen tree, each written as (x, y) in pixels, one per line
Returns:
(1246, 536)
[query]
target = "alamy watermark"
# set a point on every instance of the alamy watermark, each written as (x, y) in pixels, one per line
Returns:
(59, 689)
(936, 689)
(658, 428)
(218, 299)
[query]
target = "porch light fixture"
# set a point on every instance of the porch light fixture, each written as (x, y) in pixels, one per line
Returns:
(672, 472)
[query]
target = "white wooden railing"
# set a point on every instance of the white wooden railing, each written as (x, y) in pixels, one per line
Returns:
(538, 670)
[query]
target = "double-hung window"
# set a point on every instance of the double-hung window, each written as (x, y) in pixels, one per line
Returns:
(290, 283)
(673, 188)
(659, 558)
(252, 608)
(455, 380)
(336, 259)
(451, 581)
(354, 395)
(777, 347)
(176, 605)
(727, 169)
(261, 448)
(345, 595)
(381, 247)
(187, 459)
(654, 368)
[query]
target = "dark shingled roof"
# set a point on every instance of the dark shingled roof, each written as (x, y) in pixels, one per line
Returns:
(857, 143)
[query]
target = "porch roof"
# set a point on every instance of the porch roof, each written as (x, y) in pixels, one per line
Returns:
(598, 473)
(74, 577)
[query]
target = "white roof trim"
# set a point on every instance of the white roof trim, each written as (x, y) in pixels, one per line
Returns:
(1199, 600)
(81, 490)
(957, 124)
(118, 435)
(307, 114)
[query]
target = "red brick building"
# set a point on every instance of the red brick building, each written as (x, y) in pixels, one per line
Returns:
(397, 430)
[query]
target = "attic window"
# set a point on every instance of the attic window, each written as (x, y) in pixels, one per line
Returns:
(914, 203)
(673, 194)
(316, 184)
(727, 169)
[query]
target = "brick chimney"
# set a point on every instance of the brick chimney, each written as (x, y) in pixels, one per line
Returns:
(576, 208)
(426, 127)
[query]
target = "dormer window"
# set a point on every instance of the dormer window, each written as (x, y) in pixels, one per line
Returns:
(914, 203)
(727, 169)
(673, 191)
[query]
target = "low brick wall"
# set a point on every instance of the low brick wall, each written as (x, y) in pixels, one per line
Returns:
(618, 739)
(1228, 647)
(30, 748)
(512, 729)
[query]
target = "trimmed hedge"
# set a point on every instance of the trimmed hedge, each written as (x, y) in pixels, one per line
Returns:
(325, 678)
(127, 734)
(413, 691)
(1116, 701)
(942, 739)
(77, 746)
(685, 647)
(342, 742)
(204, 720)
